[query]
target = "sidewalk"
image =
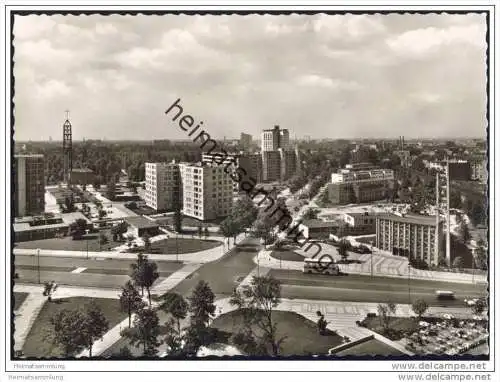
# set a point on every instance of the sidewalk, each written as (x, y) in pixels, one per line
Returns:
(382, 266)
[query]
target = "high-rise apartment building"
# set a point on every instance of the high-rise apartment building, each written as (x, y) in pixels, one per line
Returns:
(251, 163)
(412, 236)
(29, 184)
(163, 185)
(279, 160)
(245, 141)
(207, 191)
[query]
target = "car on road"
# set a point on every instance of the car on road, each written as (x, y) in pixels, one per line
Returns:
(445, 295)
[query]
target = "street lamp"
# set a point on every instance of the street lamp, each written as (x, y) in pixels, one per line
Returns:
(409, 269)
(38, 264)
(176, 247)
(371, 259)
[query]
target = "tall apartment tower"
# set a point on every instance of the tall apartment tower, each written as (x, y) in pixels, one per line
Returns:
(207, 191)
(67, 149)
(278, 157)
(29, 180)
(163, 185)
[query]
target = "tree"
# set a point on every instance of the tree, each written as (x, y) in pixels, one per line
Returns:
(201, 310)
(144, 273)
(343, 248)
(111, 190)
(481, 259)
(118, 230)
(78, 228)
(178, 220)
(458, 262)
(74, 329)
(124, 352)
(200, 231)
(477, 214)
(478, 307)
(206, 233)
(175, 305)
(258, 300)
(230, 227)
(147, 242)
(145, 331)
(103, 239)
(130, 300)
(244, 211)
(384, 311)
(95, 325)
(311, 213)
(419, 307)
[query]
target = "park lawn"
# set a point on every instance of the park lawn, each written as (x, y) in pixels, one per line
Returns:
(19, 298)
(180, 245)
(38, 343)
(68, 244)
(287, 256)
(370, 348)
(302, 337)
(398, 326)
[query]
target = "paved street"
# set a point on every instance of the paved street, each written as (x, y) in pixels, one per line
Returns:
(296, 284)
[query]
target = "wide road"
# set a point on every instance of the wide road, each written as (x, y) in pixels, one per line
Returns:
(107, 273)
(296, 284)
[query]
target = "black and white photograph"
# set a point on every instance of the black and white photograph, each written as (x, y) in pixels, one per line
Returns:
(207, 188)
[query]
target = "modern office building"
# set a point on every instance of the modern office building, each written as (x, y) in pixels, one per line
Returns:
(271, 166)
(459, 169)
(360, 223)
(29, 184)
(207, 191)
(279, 158)
(478, 169)
(414, 236)
(360, 183)
(245, 141)
(163, 185)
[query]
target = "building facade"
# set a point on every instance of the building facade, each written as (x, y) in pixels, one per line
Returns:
(163, 185)
(478, 169)
(207, 191)
(360, 223)
(360, 183)
(245, 141)
(29, 184)
(82, 176)
(279, 158)
(412, 236)
(251, 163)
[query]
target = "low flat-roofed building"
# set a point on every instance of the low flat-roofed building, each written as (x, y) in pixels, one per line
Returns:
(415, 236)
(139, 225)
(360, 223)
(318, 229)
(45, 226)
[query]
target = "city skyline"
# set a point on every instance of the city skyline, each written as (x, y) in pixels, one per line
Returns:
(230, 75)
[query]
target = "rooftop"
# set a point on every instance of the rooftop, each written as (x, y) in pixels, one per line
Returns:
(409, 218)
(141, 222)
(82, 170)
(316, 223)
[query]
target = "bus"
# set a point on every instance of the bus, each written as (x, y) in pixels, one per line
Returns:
(445, 295)
(324, 267)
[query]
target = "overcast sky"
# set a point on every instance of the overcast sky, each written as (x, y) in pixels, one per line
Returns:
(338, 76)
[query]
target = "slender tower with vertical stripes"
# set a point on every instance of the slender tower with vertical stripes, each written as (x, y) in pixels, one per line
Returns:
(67, 150)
